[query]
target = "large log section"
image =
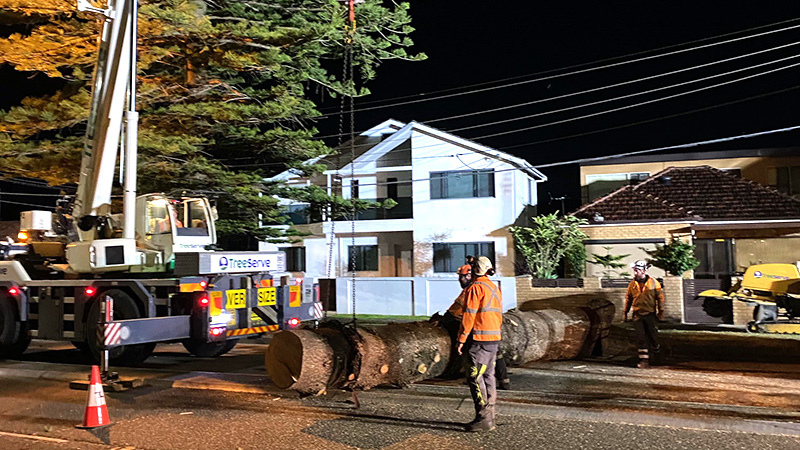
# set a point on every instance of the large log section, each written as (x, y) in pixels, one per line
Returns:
(313, 361)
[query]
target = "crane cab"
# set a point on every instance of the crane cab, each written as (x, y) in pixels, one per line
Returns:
(165, 226)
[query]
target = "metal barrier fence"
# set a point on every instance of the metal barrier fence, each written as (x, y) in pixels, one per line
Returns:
(409, 296)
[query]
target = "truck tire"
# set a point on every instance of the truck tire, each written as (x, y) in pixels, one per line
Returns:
(14, 339)
(124, 308)
(209, 349)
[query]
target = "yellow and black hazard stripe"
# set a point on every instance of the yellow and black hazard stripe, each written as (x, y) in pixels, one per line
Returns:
(253, 330)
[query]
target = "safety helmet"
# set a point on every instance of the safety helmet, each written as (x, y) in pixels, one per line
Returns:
(640, 264)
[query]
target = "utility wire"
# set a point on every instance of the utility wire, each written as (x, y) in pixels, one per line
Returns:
(574, 72)
(680, 94)
(672, 147)
(624, 83)
(586, 133)
(600, 61)
(641, 122)
(27, 204)
(617, 155)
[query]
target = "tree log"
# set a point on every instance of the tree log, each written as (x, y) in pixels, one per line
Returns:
(312, 361)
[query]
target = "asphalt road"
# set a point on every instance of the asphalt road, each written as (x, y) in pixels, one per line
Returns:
(228, 403)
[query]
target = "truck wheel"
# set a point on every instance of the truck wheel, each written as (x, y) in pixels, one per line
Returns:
(124, 309)
(14, 337)
(209, 349)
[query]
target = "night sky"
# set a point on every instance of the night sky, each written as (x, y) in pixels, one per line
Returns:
(491, 44)
(471, 42)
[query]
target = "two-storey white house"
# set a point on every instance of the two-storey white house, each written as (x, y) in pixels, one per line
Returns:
(454, 198)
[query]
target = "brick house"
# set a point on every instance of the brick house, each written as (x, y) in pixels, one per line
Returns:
(733, 222)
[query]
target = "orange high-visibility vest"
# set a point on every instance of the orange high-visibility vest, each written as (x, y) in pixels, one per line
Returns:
(483, 312)
(644, 298)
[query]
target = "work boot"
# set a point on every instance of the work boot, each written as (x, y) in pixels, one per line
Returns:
(481, 425)
(644, 364)
(504, 384)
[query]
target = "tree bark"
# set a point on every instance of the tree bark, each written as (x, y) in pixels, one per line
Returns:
(312, 361)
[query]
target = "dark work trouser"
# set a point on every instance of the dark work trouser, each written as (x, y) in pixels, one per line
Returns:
(646, 335)
(451, 324)
(480, 361)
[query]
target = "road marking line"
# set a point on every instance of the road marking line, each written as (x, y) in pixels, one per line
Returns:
(31, 436)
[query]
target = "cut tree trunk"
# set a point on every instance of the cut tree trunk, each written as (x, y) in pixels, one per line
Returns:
(399, 354)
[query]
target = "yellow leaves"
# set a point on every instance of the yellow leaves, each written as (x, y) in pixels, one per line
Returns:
(38, 7)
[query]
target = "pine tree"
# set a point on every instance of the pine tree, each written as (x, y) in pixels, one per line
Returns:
(224, 91)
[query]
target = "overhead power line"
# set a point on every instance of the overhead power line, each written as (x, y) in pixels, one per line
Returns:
(621, 108)
(656, 119)
(672, 147)
(27, 204)
(574, 72)
(610, 86)
(617, 155)
(575, 66)
(680, 94)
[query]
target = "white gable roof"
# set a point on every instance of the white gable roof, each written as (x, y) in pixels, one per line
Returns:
(400, 131)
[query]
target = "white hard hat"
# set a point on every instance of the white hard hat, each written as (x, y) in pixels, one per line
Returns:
(640, 264)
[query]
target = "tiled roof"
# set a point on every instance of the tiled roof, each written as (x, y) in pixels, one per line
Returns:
(693, 194)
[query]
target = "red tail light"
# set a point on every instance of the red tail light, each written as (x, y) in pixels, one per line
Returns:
(203, 284)
(217, 331)
(204, 301)
(89, 291)
(13, 291)
(293, 322)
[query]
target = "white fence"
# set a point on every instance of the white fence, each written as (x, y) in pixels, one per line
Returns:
(409, 296)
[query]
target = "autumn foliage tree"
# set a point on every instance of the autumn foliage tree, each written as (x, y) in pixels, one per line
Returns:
(224, 90)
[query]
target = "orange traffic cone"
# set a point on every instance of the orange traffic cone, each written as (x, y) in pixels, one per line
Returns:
(96, 414)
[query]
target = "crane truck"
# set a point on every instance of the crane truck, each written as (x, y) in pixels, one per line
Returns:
(118, 283)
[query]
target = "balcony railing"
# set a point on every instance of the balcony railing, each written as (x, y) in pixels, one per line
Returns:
(301, 215)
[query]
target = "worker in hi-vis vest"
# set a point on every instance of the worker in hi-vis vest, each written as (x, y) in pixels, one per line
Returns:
(479, 339)
(646, 299)
(451, 320)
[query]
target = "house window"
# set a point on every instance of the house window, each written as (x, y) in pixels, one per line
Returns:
(354, 189)
(462, 184)
(735, 172)
(788, 179)
(447, 258)
(362, 258)
(599, 185)
(295, 259)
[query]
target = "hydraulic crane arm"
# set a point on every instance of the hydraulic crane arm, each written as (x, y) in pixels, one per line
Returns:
(114, 87)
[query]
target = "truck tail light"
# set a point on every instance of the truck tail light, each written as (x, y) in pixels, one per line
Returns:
(203, 301)
(293, 322)
(13, 291)
(218, 331)
(90, 291)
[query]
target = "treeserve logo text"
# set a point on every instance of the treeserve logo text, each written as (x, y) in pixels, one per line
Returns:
(233, 264)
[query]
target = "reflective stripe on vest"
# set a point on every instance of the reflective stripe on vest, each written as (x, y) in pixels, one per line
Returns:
(493, 296)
